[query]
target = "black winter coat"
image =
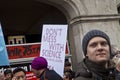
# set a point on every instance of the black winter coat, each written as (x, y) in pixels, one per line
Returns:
(88, 70)
(50, 75)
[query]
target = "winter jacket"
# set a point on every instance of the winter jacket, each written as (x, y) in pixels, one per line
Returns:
(117, 74)
(88, 70)
(50, 75)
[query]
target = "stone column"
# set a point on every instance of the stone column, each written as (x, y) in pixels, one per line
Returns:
(93, 14)
(85, 15)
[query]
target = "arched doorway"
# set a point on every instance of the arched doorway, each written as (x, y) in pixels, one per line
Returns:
(26, 17)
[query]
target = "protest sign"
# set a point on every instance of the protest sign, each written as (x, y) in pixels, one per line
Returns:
(3, 52)
(53, 46)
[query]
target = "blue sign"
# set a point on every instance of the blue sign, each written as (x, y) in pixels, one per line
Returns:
(4, 61)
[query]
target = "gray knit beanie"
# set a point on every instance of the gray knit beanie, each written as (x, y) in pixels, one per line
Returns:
(91, 34)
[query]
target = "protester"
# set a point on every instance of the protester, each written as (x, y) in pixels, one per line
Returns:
(8, 74)
(114, 50)
(116, 60)
(2, 77)
(39, 68)
(19, 74)
(69, 74)
(96, 64)
(67, 65)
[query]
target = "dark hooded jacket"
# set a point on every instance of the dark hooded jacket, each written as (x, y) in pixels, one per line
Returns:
(50, 75)
(88, 70)
(117, 74)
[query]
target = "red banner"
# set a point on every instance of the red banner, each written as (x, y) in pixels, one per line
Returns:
(30, 76)
(25, 50)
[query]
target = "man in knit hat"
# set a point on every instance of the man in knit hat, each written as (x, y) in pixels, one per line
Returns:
(97, 51)
(39, 67)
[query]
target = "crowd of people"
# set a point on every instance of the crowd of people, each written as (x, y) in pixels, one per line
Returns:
(101, 62)
(17, 74)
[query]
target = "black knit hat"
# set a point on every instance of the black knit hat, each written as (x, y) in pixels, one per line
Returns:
(91, 34)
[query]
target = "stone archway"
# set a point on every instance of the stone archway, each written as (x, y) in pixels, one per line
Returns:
(84, 15)
(70, 10)
(66, 6)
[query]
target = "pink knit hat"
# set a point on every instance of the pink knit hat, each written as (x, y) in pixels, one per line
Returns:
(39, 63)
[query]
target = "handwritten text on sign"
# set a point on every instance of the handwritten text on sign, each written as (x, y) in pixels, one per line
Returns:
(53, 46)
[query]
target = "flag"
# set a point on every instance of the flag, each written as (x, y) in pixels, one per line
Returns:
(4, 61)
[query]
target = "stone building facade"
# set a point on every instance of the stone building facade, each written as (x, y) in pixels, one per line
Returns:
(85, 15)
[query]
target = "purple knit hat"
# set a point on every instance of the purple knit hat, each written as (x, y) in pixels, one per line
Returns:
(39, 63)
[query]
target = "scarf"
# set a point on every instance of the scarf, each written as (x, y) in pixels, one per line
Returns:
(99, 69)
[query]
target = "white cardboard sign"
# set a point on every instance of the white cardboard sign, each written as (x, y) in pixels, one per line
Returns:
(53, 45)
